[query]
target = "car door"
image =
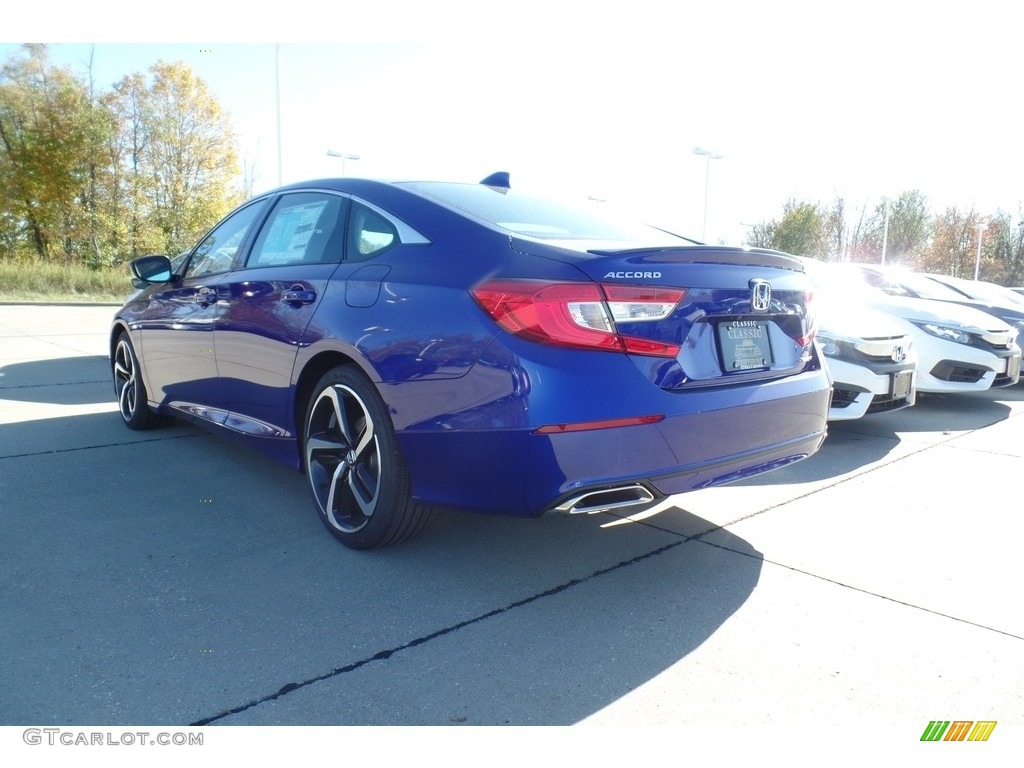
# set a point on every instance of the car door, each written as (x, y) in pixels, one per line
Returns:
(177, 326)
(266, 304)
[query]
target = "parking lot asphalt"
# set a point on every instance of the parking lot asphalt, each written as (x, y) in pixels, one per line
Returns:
(173, 578)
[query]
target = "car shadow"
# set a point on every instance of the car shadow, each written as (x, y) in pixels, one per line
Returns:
(858, 443)
(845, 450)
(949, 412)
(635, 601)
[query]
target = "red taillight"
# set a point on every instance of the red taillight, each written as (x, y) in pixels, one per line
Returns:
(579, 315)
(566, 314)
(810, 321)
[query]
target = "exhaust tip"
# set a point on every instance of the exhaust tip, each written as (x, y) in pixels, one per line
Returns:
(606, 499)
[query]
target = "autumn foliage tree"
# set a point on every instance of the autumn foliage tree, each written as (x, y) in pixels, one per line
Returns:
(947, 243)
(96, 178)
(46, 126)
(190, 150)
(953, 248)
(1003, 249)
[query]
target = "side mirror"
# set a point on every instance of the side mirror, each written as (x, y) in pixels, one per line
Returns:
(150, 269)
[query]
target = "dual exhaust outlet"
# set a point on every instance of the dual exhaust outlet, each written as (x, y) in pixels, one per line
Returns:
(606, 499)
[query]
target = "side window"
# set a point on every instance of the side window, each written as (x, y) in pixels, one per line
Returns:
(303, 228)
(369, 234)
(217, 251)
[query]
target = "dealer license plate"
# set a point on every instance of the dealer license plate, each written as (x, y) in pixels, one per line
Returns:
(745, 345)
(901, 383)
(1013, 367)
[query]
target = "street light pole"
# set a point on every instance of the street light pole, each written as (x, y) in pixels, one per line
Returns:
(977, 259)
(709, 155)
(277, 101)
(344, 156)
(885, 226)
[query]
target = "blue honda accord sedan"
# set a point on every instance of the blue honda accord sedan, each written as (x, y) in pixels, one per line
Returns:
(409, 345)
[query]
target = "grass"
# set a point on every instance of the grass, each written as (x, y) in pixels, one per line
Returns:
(37, 281)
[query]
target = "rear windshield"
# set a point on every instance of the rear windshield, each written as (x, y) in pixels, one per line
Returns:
(532, 216)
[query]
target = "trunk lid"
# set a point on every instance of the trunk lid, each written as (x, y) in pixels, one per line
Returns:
(743, 314)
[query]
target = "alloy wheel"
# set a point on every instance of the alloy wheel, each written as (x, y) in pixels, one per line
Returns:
(124, 381)
(343, 458)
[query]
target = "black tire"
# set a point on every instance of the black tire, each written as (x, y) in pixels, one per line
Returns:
(356, 472)
(129, 389)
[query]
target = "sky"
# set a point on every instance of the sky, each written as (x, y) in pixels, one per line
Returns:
(803, 100)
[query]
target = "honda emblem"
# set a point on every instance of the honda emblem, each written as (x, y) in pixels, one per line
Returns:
(760, 295)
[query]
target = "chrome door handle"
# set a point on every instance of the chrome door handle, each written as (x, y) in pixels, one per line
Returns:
(298, 295)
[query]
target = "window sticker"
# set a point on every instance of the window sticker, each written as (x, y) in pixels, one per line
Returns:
(290, 233)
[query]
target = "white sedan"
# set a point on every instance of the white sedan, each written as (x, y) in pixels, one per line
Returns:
(870, 357)
(959, 349)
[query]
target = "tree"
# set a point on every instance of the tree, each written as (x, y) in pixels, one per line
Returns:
(855, 238)
(134, 231)
(1003, 252)
(953, 247)
(842, 237)
(800, 231)
(189, 150)
(92, 177)
(903, 225)
(835, 230)
(48, 127)
(761, 235)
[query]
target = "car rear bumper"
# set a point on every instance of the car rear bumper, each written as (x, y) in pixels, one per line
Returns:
(712, 437)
